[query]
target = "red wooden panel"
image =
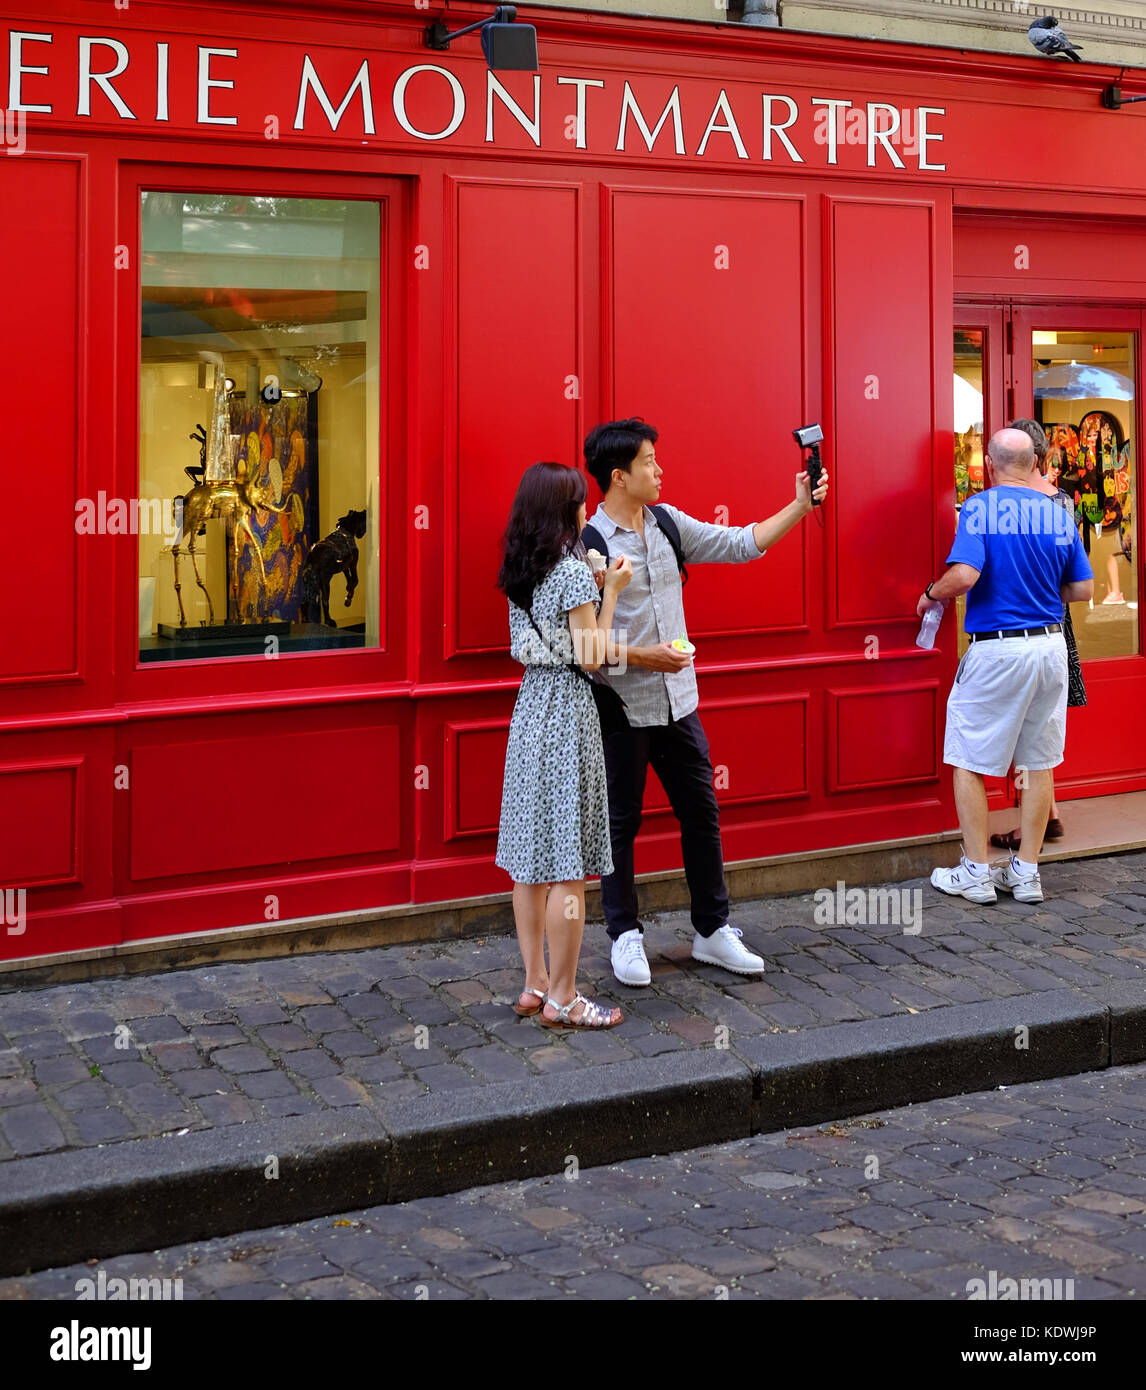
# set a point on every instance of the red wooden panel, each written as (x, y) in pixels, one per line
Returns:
(39, 262)
(39, 832)
(271, 799)
(475, 763)
(884, 418)
(759, 748)
(1016, 256)
(882, 738)
(707, 343)
(518, 364)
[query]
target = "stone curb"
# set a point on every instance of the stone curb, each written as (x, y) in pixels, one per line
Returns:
(57, 1209)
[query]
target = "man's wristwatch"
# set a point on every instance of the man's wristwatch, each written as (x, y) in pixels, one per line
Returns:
(928, 594)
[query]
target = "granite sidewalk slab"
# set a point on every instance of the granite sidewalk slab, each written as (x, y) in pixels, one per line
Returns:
(141, 1111)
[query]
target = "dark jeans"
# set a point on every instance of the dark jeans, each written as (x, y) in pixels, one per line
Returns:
(678, 753)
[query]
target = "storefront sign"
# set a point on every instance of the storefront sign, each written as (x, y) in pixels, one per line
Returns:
(272, 90)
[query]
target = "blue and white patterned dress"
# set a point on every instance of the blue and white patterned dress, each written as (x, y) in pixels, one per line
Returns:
(554, 800)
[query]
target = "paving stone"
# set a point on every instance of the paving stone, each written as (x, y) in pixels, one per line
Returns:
(228, 1109)
(31, 1129)
(204, 1081)
(341, 1090)
(175, 1056)
(102, 1126)
(311, 1064)
(245, 1058)
(261, 1085)
(55, 1071)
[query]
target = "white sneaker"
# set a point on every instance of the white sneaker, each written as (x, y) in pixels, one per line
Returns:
(961, 882)
(630, 964)
(723, 948)
(1027, 888)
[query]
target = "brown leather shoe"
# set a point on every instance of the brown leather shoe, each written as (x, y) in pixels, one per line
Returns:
(1012, 839)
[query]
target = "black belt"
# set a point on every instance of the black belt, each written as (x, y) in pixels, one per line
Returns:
(1016, 632)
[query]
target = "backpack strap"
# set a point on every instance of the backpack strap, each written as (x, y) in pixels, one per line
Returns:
(672, 535)
(593, 540)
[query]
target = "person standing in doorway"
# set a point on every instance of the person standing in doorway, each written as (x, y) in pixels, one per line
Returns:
(1076, 687)
(658, 686)
(1018, 558)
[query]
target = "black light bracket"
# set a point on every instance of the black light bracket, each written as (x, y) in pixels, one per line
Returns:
(438, 35)
(1113, 99)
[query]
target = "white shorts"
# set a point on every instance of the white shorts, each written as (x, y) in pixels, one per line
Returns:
(1008, 705)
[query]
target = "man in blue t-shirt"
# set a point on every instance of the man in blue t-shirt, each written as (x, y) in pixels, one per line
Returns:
(1018, 557)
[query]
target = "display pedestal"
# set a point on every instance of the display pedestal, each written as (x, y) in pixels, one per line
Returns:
(220, 631)
(245, 639)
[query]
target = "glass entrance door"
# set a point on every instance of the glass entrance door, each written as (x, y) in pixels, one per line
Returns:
(1075, 372)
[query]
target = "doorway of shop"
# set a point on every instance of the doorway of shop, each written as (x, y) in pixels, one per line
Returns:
(1074, 370)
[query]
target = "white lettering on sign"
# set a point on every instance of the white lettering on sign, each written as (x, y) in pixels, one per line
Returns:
(400, 102)
(729, 126)
(17, 68)
(629, 107)
(87, 77)
(161, 82)
(531, 126)
(206, 83)
(310, 82)
(580, 83)
(669, 118)
(770, 126)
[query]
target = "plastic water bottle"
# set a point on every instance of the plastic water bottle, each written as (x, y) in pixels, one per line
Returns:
(929, 627)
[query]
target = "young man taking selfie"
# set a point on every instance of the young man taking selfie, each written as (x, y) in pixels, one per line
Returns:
(658, 686)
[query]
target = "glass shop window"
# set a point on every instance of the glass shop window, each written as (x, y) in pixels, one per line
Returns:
(1084, 398)
(259, 391)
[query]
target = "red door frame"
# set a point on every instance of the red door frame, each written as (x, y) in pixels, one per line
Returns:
(183, 687)
(1118, 684)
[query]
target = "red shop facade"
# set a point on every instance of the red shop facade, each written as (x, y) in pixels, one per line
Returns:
(385, 279)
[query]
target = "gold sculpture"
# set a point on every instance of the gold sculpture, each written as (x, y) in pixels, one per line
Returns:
(222, 491)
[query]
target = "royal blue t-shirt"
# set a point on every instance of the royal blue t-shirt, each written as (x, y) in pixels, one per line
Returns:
(1025, 546)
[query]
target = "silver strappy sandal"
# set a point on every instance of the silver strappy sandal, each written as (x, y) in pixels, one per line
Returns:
(592, 1016)
(529, 1010)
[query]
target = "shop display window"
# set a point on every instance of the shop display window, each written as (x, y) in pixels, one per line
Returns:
(258, 406)
(1083, 385)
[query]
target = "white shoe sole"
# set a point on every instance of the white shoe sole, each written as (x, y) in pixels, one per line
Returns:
(724, 965)
(973, 895)
(1021, 893)
(632, 984)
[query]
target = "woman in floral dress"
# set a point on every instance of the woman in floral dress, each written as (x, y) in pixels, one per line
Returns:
(554, 809)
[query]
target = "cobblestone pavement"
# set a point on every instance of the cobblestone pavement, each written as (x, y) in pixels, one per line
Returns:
(94, 1063)
(1041, 1181)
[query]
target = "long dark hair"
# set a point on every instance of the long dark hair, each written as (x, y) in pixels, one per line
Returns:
(542, 528)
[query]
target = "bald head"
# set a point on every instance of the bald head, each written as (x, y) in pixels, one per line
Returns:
(1012, 454)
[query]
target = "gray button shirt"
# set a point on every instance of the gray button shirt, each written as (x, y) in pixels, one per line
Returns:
(650, 609)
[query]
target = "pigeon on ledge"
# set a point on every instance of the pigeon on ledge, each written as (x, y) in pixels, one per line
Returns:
(1048, 38)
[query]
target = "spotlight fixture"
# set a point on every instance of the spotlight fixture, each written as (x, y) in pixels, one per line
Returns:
(507, 46)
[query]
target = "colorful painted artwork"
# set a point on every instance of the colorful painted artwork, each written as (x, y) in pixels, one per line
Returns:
(278, 443)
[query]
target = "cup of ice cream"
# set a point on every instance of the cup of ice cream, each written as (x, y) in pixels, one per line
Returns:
(682, 644)
(596, 561)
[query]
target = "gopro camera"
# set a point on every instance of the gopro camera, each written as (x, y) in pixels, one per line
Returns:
(809, 437)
